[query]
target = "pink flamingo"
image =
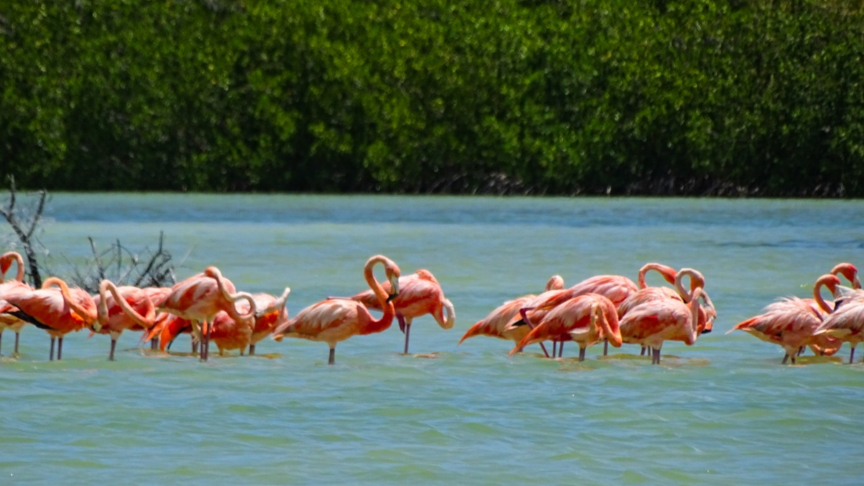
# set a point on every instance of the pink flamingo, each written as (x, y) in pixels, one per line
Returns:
(9, 321)
(230, 334)
(57, 311)
(791, 323)
(273, 314)
(200, 297)
(680, 294)
(419, 294)
(614, 287)
(495, 323)
(120, 309)
(846, 322)
(585, 319)
(335, 320)
(661, 320)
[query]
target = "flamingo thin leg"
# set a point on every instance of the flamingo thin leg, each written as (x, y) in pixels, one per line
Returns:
(51, 356)
(605, 347)
(581, 353)
(59, 349)
(332, 359)
(407, 335)
(561, 349)
(852, 354)
(17, 335)
(655, 357)
(251, 349)
(111, 354)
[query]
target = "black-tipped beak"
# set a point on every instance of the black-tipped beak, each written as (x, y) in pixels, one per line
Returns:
(520, 322)
(392, 296)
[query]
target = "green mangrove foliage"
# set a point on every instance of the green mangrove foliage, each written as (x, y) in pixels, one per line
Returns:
(536, 96)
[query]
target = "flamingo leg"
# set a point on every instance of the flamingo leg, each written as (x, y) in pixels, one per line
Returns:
(154, 343)
(785, 359)
(793, 360)
(524, 312)
(643, 351)
(51, 355)
(111, 354)
(1, 339)
(554, 348)
(605, 347)
(59, 349)
(251, 349)
(401, 319)
(852, 354)
(800, 351)
(407, 335)
(194, 345)
(561, 349)
(655, 358)
(332, 359)
(581, 353)
(17, 335)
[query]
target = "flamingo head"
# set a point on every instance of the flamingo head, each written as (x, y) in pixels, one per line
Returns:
(393, 273)
(846, 269)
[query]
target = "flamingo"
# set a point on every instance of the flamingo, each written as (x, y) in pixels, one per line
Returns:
(273, 314)
(335, 320)
(200, 297)
(659, 320)
(791, 322)
(614, 287)
(846, 322)
(494, 324)
(678, 293)
(585, 319)
(58, 311)
(9, 321)
(125, 308)
(231, 334)
(419, 294)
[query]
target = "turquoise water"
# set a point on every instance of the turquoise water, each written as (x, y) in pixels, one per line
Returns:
(721, 412)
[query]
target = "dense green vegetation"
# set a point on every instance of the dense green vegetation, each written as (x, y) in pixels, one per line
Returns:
(627, 96)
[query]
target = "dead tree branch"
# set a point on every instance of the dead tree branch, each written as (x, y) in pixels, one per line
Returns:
(25, 236)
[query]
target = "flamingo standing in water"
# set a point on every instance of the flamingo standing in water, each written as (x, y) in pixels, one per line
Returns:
(122, 308)
(678, 293)
(585, 319)
(335, 320)
(230, 334)
(661, 320)
(419, 294)
(200, 297)
(58, 311)
(495, 323)
(791, 323)
(273, 314)
(9, 321)
(614, 287)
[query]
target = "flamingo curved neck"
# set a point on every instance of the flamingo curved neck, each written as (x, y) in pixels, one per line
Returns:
(214, 273)
(613, 337)
(103, 306)
(694, 313)
(389, 312)
(64, 291)
(697, 281)
(13, 255)
(817, 294)
(450, 311)
(668, 273)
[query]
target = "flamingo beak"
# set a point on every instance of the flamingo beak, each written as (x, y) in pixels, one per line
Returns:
(394, 288)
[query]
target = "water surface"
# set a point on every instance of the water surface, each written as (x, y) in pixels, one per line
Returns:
(720, 412)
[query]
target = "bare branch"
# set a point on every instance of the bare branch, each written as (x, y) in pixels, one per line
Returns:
(42, 195)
